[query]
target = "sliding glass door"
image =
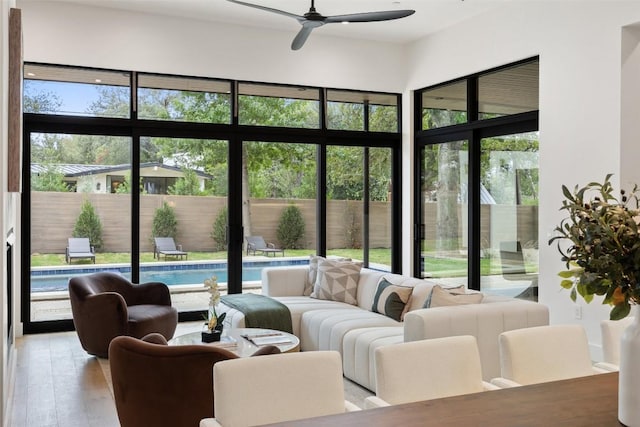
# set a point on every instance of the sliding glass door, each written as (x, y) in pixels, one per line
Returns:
(443, 219)
(74, 201)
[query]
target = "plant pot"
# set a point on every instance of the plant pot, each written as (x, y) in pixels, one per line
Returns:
(211, 336)
(629, 382)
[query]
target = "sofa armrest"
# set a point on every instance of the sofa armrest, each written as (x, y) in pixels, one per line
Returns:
(487, 386)
(375, 402)
(605, 366)
(284, 281)
(504, 383)
(209, 422)
(351, 407)
(483, 321)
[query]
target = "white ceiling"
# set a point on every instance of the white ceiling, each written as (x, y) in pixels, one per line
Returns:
(430, 16)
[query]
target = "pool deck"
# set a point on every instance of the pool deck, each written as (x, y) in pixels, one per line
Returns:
(58, 307)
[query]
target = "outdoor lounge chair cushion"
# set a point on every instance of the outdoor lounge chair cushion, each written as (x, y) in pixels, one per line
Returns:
(79, 247)
(167, 246)
(106, 305)
(257, 244)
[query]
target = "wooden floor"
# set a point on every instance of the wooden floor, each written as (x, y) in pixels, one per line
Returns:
(58, 384)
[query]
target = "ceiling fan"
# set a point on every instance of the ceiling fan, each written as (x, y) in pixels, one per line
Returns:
(312, 19)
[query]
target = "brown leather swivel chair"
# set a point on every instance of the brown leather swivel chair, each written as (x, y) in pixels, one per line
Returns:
(107, 305)
(160, 385)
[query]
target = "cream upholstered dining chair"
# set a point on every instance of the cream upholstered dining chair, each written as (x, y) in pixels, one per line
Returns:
(290, 386)
(544, 353)
(611, 336)
(427, 369)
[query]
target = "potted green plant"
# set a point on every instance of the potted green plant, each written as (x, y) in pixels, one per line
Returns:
(603, 258)
(213, 326)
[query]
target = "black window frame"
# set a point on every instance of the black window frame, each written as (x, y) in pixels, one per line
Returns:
(474, 130)
(235, 134)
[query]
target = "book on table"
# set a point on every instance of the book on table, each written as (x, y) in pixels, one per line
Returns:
(268, 339)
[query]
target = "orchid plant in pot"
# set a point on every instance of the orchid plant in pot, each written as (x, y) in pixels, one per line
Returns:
(213, 324)
(603, 258)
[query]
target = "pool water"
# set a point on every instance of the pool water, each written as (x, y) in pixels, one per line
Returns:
(174, 274)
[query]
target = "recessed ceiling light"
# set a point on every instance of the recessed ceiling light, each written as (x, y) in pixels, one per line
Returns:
(98, 81)
(31, 74)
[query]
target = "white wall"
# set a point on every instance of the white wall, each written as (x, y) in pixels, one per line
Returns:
(579, 44)
(7, 213)
(75, 35)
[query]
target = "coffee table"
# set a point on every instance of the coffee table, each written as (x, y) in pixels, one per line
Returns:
(244, 347)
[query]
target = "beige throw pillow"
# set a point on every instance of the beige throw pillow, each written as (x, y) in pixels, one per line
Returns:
(441, 297)
(313, 273)
(337, 281)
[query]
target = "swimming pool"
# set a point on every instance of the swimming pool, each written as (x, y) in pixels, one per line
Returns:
(188, 273)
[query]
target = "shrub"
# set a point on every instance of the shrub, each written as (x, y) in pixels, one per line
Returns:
(291, 228)
(219, 232)
(89, 225)
(165, 223)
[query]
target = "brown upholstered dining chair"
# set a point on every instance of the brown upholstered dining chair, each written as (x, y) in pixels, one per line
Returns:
(160, 385)
(107, 305)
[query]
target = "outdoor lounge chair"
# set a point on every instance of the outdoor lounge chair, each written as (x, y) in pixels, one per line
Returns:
(79, 247)
(167, 246)
(257, 244)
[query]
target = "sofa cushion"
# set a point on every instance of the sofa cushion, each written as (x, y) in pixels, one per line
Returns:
(391, 299)
(337, 281)
(359, 348)
(325, 329)
(441, 297)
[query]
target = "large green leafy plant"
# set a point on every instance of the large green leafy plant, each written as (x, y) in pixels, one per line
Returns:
(603, 256)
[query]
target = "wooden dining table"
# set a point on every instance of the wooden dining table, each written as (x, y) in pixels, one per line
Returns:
(583, 402)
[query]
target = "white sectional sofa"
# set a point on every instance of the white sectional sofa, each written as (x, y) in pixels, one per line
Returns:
(356, 331)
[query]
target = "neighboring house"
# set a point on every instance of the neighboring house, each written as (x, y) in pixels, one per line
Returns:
(156, 177)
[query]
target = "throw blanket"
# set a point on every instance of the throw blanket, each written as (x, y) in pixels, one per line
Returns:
(260, 311)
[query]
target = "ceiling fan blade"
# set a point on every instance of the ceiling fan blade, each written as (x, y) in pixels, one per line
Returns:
(269, 9)
(369, 16)
(303, 34)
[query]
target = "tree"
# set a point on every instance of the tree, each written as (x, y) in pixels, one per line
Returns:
(219, 231)
(48, 180)
(89, 225)
(187, 185)
(165, 223)
(291, 228)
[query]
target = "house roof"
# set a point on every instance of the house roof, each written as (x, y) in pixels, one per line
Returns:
(75, 170)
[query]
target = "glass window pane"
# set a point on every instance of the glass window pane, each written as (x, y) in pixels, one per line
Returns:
(184, 197)
(281, 106)
(184, 99)
(444, 105)
(444, 222)
(509, 215)
(346, 109)
(345, 194)
(383, 118)
(509, 91)
(380, 225)
(77, 92)
(70, 177)
(281, 207)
